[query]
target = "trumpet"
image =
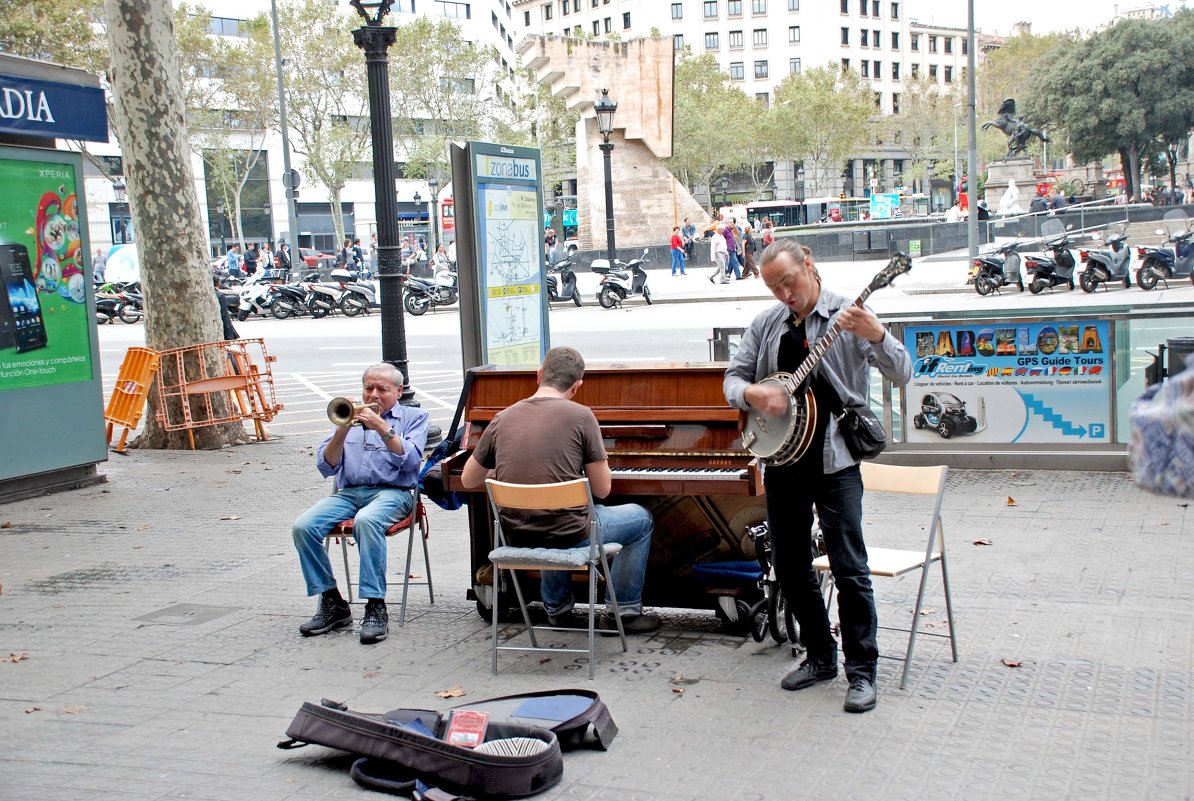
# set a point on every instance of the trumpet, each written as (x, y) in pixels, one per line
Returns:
(341, 411)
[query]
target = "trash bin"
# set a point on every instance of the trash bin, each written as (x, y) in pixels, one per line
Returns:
(1179, 349)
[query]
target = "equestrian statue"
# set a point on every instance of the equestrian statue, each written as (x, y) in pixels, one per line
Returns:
(1018, 132)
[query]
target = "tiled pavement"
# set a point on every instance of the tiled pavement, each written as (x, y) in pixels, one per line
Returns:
(1087, 584)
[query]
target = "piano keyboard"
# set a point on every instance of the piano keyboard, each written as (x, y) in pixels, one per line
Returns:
(679, 474)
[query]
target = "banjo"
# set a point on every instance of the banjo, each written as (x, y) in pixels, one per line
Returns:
(784, 438)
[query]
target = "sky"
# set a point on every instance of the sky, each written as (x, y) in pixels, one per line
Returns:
(1046, 16)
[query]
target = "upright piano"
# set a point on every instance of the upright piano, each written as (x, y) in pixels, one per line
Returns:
(674, 447)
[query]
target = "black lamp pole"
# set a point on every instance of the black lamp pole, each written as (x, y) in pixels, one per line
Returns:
(605, 109)
(725, 190)
(223, 222)
(433, 185)
(375, 39)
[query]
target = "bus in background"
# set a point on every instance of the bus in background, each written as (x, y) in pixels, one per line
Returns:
(447, 220)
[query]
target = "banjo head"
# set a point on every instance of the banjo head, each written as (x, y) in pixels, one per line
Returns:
(765, 436)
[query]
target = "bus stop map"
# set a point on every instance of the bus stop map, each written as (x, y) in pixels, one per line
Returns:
(510, 259)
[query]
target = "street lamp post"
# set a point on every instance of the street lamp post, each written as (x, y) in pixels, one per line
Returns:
(433, 185)
(957, 176)
(290, 179)
(223, 228)
(375, 39)
(418, 200)
(605, 109)
(725, 190)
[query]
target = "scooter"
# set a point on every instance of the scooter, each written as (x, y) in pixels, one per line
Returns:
(1112, 263)
(1162, 263)
(422, 295)
(255, 298)
(131, 304)
(1050, 272)
(621, 281)
(359, 296)
(998, 268)
(290, 300)
(561, 282)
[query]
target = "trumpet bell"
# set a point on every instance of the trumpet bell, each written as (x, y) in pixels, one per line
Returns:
(341, 411)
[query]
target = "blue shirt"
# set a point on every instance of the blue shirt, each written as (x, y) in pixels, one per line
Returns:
(367, 462)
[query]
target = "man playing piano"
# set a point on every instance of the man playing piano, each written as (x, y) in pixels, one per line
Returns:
(827, 474)
(548, 438)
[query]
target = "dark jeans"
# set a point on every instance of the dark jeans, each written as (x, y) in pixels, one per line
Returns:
(791, 493)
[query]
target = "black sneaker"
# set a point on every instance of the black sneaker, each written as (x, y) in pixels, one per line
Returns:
(632, 624)
(329, 615)
(861, 697)
(567, 619)
(376, 623)
(811, 671)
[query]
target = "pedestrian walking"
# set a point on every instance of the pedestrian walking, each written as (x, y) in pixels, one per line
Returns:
(718, 252)
(749, 246)
(677, 251)
(732, 264)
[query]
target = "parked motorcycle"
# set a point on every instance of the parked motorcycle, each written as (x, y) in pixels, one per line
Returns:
(998, 268)
(422, 295)
(623, 280)
(561, 282)
(131, 304)
(1112, 263)
(1161, 263)
(1049, 272)
(359, 296)
(290, 300)
(256, 297)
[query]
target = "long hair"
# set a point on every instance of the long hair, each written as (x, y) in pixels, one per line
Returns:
(800, 254)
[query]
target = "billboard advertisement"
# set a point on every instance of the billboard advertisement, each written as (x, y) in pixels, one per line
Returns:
(1039, 382)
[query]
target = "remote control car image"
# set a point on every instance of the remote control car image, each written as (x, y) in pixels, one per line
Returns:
(947, 414)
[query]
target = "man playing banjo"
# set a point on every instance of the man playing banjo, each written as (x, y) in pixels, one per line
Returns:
(824, 473)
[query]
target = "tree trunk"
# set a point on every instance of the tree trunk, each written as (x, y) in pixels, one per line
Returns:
(1134, 167)
(181, 307)
(337, 215)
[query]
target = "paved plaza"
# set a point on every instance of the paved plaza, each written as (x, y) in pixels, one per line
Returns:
(149, 631)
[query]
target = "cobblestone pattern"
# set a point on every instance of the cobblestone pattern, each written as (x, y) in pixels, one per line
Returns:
(1086, 584)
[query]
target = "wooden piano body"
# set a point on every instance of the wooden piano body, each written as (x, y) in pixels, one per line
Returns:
(674, 447)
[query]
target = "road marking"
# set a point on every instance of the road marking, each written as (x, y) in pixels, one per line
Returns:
(299, 377)
(434, 399)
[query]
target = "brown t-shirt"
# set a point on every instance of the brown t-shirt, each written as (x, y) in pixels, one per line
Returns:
(542, 441)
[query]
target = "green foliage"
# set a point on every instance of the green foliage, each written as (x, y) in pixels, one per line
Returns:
(925, 128)
(1013, 71)
(64, 33)
(823, 116)
(707, 135)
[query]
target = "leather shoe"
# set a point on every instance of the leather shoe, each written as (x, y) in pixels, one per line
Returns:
(376, 623)
(861, 697)
(329, 615)
(632, 624)
(811, 671)
(566, 620)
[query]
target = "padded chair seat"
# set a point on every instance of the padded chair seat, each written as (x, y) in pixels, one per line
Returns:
(344, 529)
(886, 561)
(547, 558)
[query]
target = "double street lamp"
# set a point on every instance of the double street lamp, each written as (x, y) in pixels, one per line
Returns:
(725, 190)
(223, 228)
(433, 185)
(605, 109)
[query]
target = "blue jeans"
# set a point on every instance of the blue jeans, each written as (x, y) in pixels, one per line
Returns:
(629, 525)
(375, 508)
(791, 493)
(734, 265)
(677, 261)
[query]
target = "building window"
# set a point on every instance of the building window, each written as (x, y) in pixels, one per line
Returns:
(895, 103)
(949, 44)
(793, 5)
(711, 42)
(737, 71)
(879, 100)
(575, 32)
(758, 7)
(845, 64)
(677, 11)
(735, 42)
(793, 66)
(763, 98)
(878, 70)
(916, 43)
(895, 10)
(874, 7)
(733, 8)
(526, 19)
(594, 4)
(607, 25)
(678, 41)
(915, 71)
(895, 40)
(793, 34)
(760, 37)
(932, 44)
(866, 68)
(710, 9)
(596, 27)
(862, 8)
(760, 69)
(223, 26)
(949, 74)
(547, 11)
(566, 7)
(864, 38)
(845, 6)
(895, 70)
(626, 21)
(933, 73)
(845, 36)
(965, 46)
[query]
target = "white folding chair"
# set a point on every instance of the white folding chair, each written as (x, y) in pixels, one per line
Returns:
(890, 562)
(592, 558)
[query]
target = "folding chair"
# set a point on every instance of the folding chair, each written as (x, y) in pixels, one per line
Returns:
(415, 521)
(592, 558)
(891, 562)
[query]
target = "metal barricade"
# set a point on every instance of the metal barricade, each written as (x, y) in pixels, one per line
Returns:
(132, 388)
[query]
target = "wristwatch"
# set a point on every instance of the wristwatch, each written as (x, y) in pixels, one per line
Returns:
(389, 435)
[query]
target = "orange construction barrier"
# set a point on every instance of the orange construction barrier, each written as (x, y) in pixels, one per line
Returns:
(217, 382)
(132, 388)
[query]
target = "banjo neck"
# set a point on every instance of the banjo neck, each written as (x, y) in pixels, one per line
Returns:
(821, 346)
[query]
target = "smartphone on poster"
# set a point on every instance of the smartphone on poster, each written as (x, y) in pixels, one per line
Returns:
(24, 306)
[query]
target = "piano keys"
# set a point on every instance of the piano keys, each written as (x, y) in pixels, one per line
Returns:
(673, 446)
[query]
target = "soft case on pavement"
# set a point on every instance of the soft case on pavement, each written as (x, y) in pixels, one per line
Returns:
(404, 751)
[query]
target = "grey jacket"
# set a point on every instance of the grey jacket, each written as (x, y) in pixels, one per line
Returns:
(846, 365)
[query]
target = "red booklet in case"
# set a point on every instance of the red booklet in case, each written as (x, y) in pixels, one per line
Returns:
(467, 728)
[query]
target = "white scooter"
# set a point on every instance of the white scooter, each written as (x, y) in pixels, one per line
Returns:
(622, 281)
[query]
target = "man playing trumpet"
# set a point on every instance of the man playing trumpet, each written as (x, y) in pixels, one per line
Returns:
(374, 454)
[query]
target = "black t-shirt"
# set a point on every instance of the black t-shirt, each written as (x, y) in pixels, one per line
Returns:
(793, 350)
